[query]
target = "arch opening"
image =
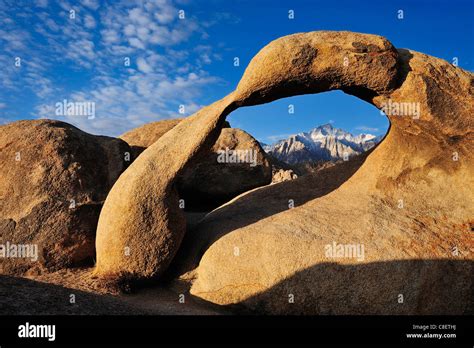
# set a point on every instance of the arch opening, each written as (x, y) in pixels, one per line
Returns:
(307, 132)
(314, 177)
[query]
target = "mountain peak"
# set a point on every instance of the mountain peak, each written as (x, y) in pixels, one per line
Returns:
(326, 125)
(324, 142)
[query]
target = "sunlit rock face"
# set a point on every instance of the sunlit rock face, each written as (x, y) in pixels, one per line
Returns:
(349, 240)
(54, 180)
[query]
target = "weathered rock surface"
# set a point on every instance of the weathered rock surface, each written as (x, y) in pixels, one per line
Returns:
(142, 137)
(54, 180)
(410, 204)
(141, 224)
(210, 183)
(283, 175)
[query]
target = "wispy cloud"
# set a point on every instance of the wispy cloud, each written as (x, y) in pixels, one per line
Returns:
(129, 55)
(141, 98)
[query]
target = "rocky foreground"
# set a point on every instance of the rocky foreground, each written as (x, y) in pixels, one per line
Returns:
(406, 208)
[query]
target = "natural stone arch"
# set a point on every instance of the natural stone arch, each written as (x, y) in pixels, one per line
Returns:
(141, 214)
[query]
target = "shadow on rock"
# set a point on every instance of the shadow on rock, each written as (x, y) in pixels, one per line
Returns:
(256, 205)
(422, 287)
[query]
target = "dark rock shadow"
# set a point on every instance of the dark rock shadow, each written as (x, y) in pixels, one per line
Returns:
(427, 287)
(20, 296)
(256, 205)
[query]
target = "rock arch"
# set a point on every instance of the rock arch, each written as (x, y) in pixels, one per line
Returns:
(414, 163)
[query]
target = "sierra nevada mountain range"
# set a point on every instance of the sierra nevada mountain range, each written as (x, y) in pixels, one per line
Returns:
(323, 143)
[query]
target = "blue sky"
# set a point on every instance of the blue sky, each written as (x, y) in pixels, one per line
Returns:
(189, 61)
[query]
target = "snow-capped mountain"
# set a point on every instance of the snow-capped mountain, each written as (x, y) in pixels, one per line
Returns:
(324, 143)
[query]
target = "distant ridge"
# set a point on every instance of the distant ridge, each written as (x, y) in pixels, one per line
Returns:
(323, 143)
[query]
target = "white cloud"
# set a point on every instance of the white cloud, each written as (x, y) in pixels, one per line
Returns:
(110, 36)
(137, 15)
(14, 40)
(166, 14)
(143, 33)
(41, 86)
(136, 43)
(143, 66)
(82, 52)
(92, 4)
(206, 54)
(161, 77)
(51, 25)
(151, 22)
(129, 30)
(191, 108)
(89, 22)
(141, 98)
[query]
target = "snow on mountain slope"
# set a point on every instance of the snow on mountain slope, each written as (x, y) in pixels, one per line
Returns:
(324, 143)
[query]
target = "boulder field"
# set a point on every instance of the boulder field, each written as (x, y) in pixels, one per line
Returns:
(387, 232)
(56, 178)
(409, 207)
